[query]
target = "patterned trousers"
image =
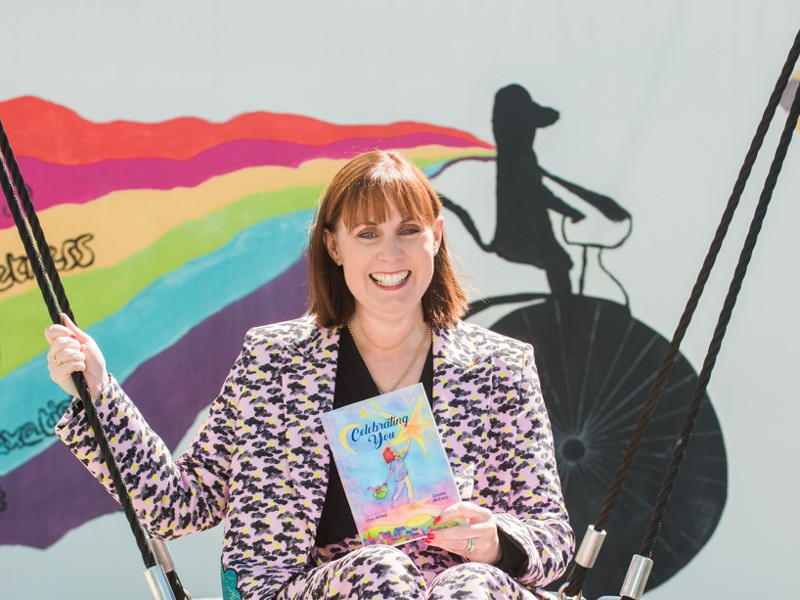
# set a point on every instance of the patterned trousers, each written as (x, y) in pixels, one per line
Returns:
(376, 572)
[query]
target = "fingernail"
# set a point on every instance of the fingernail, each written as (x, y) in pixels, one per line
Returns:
(430, 536)
(437, 520)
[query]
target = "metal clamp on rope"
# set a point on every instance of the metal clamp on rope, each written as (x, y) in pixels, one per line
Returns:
(636, 578)
(161, 553)
(590, 547)
(164, 558)
(157, 583)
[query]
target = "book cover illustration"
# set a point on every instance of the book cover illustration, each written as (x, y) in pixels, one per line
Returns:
(393, 466)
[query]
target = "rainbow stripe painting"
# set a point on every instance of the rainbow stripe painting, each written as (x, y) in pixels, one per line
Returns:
(172, 239)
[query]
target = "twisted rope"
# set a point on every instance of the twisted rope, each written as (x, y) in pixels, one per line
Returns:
(722, 324)
(35, 229)
(43, 266)
(577, 573)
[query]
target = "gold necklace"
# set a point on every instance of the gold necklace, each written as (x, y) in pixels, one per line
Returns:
(408, 368)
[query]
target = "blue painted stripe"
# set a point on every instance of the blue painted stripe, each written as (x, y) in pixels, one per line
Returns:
(153, 320)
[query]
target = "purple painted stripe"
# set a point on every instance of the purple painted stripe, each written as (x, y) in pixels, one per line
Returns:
(57, 184)
(53, 494)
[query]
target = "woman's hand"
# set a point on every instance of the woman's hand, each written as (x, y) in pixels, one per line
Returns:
(73, 350)
(480, 528)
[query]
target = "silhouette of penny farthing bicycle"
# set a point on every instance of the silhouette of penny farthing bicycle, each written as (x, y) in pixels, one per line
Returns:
(596, 362)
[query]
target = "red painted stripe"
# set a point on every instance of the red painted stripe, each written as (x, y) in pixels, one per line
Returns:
(55, 134)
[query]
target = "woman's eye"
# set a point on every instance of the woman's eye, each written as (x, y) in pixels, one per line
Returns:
(367, 235)
(410, 230)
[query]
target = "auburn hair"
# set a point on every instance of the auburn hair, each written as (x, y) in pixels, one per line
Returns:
(365, 189)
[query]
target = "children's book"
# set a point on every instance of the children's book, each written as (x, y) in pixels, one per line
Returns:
(393, 466)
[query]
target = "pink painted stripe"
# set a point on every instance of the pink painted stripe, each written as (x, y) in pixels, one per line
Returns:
(58, 184)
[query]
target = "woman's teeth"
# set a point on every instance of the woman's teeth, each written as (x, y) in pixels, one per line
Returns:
(389, 279)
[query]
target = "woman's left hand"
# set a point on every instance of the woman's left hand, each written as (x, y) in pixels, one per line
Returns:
(480, 528)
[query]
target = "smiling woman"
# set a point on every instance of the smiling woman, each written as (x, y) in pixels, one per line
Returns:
(381, 192)
(387, 266)
(385, 308)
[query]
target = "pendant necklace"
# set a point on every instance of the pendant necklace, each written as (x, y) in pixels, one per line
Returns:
(407, 369)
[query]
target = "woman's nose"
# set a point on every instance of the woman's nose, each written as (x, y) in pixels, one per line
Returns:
(391, 248)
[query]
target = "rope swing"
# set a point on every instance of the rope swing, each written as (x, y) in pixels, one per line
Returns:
(636, 580)
(161, 577)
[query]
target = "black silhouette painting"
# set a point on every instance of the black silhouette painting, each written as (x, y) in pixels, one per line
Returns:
(524, 233)
(596, 361)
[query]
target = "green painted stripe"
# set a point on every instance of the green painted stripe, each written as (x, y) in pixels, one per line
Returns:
(96, 294)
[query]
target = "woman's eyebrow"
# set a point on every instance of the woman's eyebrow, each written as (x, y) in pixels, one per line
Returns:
(375, 223)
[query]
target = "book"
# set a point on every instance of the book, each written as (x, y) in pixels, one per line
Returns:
(392, 464)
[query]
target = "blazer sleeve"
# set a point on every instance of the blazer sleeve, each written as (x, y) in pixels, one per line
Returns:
(171, 498)
(530, 507)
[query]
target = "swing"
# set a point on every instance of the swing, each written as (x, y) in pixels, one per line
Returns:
(162, 580)
(635, 581)
(160, 575)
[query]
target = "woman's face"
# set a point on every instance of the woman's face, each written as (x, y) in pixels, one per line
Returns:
(387, 266)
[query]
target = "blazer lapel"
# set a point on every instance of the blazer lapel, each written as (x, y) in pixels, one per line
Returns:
(309, 387)
(462, 388)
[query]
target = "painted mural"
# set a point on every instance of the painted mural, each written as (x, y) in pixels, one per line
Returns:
(174, 238)
(596, 360)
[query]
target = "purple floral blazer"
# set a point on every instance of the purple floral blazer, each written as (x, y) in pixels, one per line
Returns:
(260, 461)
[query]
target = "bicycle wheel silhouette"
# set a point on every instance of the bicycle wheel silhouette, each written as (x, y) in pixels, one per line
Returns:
(596, 363)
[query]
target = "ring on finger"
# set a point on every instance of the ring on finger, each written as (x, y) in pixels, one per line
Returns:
(57, 361)
(470, 545)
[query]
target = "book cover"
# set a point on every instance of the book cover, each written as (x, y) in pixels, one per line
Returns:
(393, 466)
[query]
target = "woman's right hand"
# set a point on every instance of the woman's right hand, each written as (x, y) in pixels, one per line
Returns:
(72, 350)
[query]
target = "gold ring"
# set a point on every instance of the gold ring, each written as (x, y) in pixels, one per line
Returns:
(56, 360)
(470, 545)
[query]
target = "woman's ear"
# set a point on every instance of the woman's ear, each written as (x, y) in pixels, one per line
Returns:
(438, 232)
(330, 244)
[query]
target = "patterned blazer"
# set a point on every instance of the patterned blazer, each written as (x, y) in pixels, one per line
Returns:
(260, 461)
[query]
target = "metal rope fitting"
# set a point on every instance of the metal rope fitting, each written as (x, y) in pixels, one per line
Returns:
(590, 547)
(161, 553)
(636, 579)
(157, 583)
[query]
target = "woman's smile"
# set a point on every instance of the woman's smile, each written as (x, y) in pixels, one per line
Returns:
(390, 280)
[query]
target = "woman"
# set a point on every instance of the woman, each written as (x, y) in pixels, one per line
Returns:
(384, 313)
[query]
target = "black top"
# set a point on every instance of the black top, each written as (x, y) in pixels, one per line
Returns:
(354, 383)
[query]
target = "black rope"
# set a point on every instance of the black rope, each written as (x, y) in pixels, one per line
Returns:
(577, 573)
(23, 196)
(722, 324)
(36, 248)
